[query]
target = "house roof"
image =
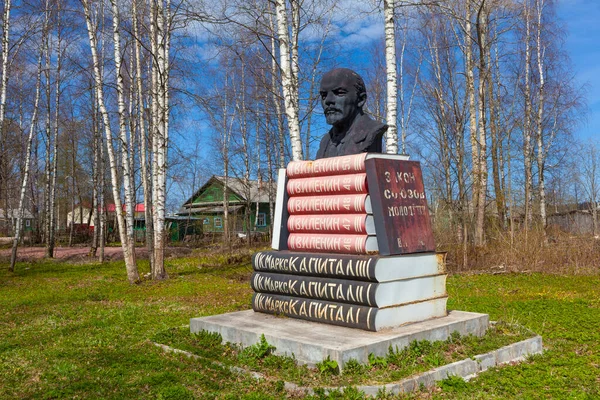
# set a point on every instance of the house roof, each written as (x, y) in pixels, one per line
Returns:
(569, 212)
(12, 213)
(211, 209)
(257, 192)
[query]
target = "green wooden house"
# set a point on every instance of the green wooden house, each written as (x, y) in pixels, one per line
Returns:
(243, 197)
(7, 221)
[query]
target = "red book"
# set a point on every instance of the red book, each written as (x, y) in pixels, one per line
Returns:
(341, 223)
(340, 204)
(328, 185)
(351, 164)
(332, 243)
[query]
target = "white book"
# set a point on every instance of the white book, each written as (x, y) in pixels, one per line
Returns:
(279, 239)
(392, 317)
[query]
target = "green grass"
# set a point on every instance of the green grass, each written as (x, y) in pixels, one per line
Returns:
(81, 331)
(420, 356)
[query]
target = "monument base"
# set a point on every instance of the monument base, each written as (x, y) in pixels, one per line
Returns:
(312, 342)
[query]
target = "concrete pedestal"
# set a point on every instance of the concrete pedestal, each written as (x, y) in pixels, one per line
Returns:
(312, 342)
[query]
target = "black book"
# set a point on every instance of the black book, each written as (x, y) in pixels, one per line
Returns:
(349, 315)
(371, 294)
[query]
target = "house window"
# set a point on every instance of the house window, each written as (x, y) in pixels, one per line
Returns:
(261, 219)
(206, 221)
(27, 223)
(218, 222)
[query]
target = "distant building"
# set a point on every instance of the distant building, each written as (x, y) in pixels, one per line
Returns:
(8, 219)
(579, 222)
(80, 216)
(207, 204)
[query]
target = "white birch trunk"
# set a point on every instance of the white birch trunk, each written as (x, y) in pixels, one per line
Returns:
(163, 20)
(154, 82)
(225, 140)
(3, 87)
(130, 265)
(275, 97)
(243, 115)
(540, 114)
(52, 197)
(160, 36)
(132, 124)
(225, 152)
(481, 111)
(124, 145)
(143, 141)
(287, 80)
(595, 218)
(295, 58)
(5, 49)
(258, 166)
(72, 229)
(101, 201)
(470, 83)
(19, 222)
(401, 94)
(391, 136)
(48, 129)
(95, 175)
(591, 163)
(527, 151)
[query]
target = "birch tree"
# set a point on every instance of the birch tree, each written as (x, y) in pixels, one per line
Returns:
(160, 36)
(442, 90)
(275, 73)
(128, 180)
(589, 158)
(102, 186)
(288, 78)
(540, 52)
(242, 111)
(96, 171)
(4, 78)
(391, 136)
(527, 134)
(142, 140)
(49, 137)
(496, 150)
(463, 15)
(26, 170)
(482, 26)
(130, 265)
(406, 105)
(223, 113)
(53, 166)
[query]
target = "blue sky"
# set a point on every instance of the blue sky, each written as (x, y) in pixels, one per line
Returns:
(582, 24)
(582, 19)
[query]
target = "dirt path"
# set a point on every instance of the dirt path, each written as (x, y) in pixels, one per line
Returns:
(81, 253)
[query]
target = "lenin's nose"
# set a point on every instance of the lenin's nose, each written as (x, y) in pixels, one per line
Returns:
(330, 98)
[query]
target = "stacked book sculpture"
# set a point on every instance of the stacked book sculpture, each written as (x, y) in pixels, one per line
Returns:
(353, 245)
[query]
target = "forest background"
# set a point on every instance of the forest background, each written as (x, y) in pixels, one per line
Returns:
(121, 102)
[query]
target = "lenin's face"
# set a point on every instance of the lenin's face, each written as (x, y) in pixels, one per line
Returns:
(339, 98)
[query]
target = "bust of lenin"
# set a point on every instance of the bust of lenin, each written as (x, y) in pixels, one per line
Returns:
(343, 95)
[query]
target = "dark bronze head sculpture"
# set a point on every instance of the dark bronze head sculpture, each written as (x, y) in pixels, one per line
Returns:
(343, 95)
